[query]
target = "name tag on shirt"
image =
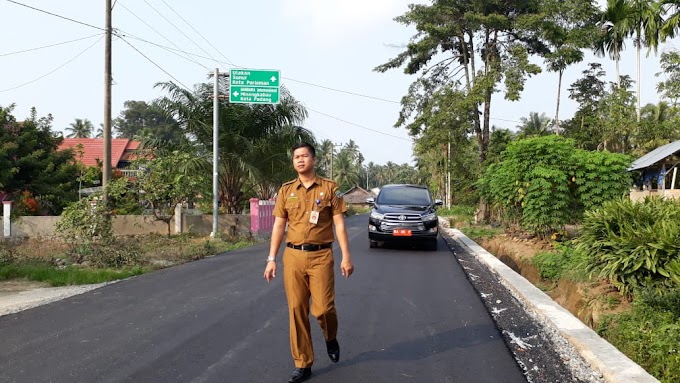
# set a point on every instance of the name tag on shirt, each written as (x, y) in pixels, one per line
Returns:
(314, 217)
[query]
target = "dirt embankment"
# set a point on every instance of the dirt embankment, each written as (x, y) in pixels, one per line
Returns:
(588, 301)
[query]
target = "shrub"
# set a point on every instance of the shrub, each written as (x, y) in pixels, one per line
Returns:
(480, 233)
(650, 333)
(564, 262)
(545, 182)
(633, 244)
(85, 220)
(8, 254)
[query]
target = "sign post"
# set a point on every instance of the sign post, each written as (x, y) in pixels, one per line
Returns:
(254, 86)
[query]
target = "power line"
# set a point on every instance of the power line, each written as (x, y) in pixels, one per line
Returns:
(163, 36)
(357, 125)
(342, 91)
(228, 62)
(54, 70)
(48, 46)
(55, 15)
(157, 66)
(198, 33)
(121, 34)
(179, 30)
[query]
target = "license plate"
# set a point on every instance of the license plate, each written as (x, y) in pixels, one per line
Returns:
(401, 233)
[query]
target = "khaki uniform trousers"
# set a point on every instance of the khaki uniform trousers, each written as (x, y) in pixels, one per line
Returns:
(309, 274)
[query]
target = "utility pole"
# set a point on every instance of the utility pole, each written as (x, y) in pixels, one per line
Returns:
(106, 170)
(448, 173)
(333, 155)
(216, 147)
(216, 153)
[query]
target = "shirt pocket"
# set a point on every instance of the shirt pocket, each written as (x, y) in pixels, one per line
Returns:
(325, 208)
(294, 210)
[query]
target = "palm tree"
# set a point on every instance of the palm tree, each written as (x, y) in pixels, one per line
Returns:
(535, 125)
(344, 171)
(671, 25)
(570, 30)
(80, 128)
(646, 28)
(323, 155)
(244, 155)
(615, 25)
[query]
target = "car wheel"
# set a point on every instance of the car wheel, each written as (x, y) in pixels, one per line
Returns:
(373, 244)
(433, 245)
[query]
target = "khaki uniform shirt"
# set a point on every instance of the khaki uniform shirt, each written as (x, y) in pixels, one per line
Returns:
(294, 202)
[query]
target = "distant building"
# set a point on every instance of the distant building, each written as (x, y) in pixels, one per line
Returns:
(122, 152)
(90, 152)
(357, 196)
(658, 173)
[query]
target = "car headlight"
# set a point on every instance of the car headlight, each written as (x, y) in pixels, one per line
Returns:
(376, 215)
(430, 217)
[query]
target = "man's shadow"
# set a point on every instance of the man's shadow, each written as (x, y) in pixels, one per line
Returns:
(425, 347)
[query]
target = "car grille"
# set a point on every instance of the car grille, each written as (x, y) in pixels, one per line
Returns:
(402, 221)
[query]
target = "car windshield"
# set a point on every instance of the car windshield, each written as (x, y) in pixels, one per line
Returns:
(406, 195)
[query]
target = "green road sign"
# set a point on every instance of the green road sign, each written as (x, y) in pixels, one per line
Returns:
(254, 86)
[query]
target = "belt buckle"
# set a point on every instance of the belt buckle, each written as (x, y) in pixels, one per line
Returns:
(307, 247)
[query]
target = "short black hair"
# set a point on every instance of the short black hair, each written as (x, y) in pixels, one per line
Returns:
(307, 145)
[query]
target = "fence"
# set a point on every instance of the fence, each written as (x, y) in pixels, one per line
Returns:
(261, 216)
(258, 221)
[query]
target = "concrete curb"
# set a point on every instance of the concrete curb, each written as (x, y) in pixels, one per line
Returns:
(614, 366)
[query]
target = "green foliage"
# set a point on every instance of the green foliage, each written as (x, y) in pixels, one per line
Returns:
(124, 197)
(140, 120)
(68, 276)
(477, 233)
(633, 244)
(457, 210)
(547, 200)
(544, 183)
(109, 253)
(30, 162)
(84, 221)
(650, 333)
(562, 263)
(168, 179)
(670, 87)
(599, 177)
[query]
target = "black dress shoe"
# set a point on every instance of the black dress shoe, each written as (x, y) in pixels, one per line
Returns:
(333, 349)
(300, 375)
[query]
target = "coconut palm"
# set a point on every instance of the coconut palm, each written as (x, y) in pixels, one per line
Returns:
(344, 171)
(80, 128)
(535, 125)
(323, 157)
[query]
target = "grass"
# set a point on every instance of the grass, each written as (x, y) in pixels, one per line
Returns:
(96, 262)
(479, 233)
(649, 333)
(561, 263)
(68, 276)
(459, 215)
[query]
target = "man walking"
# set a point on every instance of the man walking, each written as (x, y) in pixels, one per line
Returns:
(311, 206)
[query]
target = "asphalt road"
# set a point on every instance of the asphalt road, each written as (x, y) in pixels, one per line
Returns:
(406, 315)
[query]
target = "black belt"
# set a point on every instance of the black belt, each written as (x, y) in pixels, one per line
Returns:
(310, 246)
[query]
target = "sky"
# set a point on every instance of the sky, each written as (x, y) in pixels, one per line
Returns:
(325, 49)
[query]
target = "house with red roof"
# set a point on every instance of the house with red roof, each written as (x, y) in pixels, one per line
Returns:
(92, 150)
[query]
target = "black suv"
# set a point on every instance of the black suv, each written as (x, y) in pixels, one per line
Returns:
(404, 213)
